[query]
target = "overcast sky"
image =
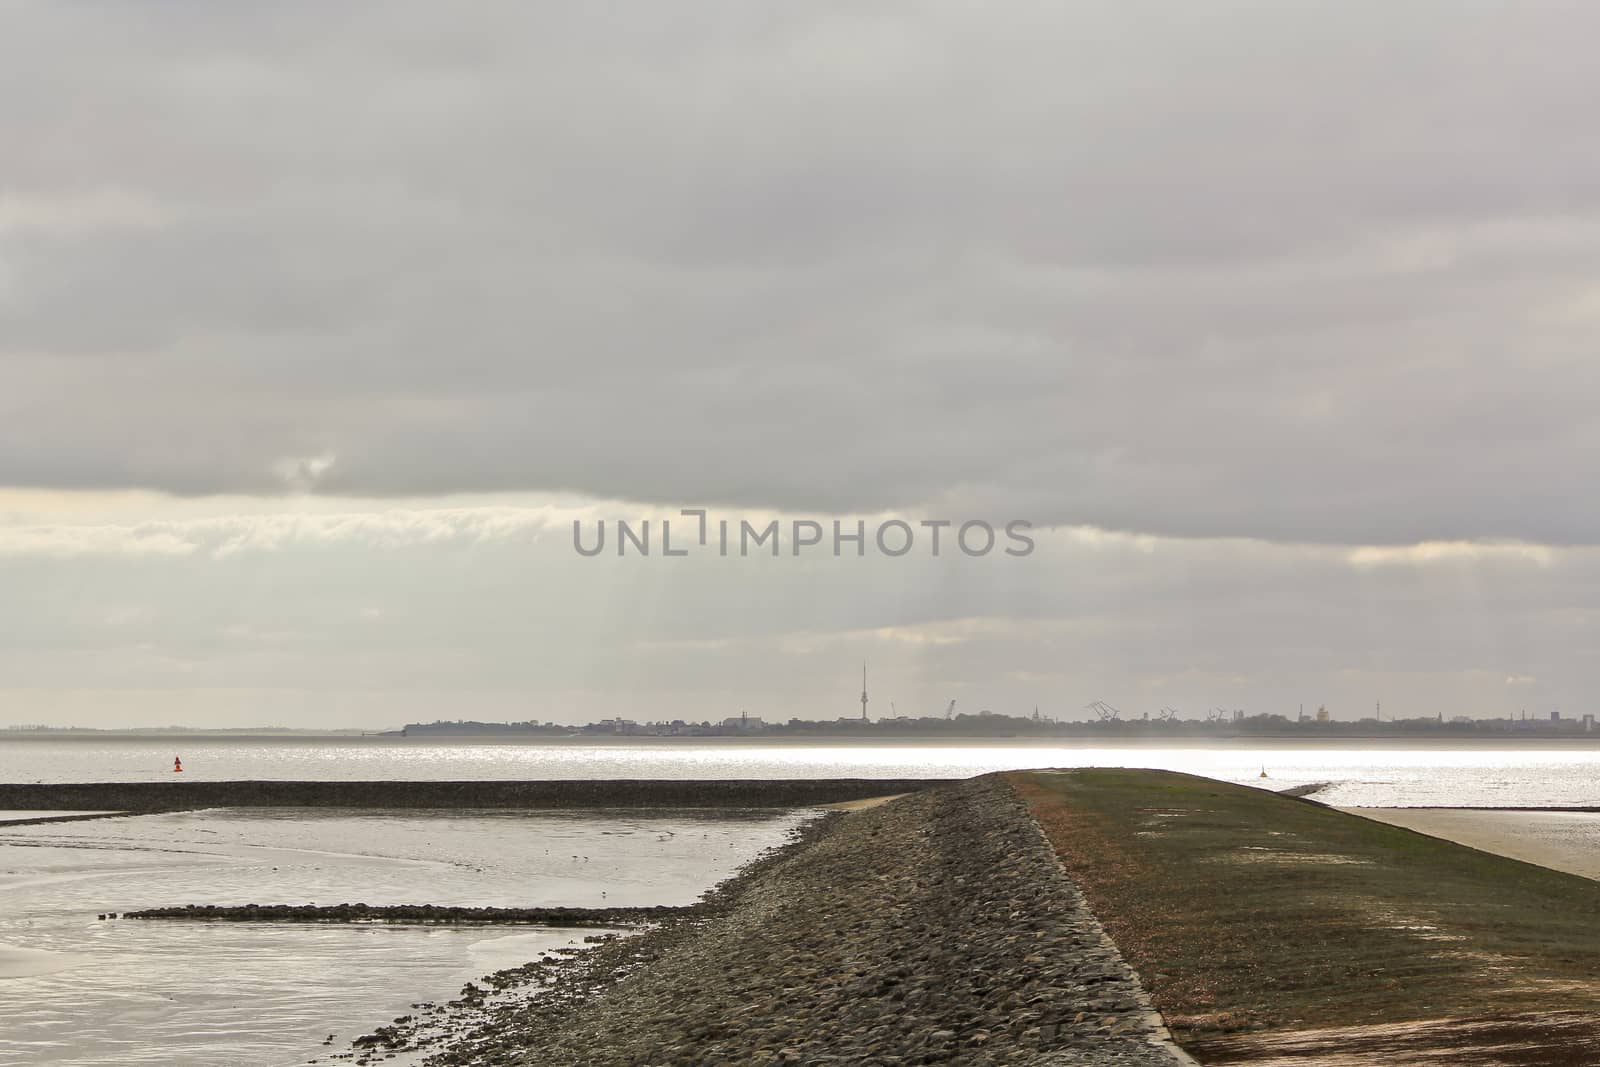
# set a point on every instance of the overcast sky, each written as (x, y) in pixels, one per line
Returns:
(319, 324)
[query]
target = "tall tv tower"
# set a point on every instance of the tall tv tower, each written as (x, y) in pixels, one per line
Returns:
(863, 691)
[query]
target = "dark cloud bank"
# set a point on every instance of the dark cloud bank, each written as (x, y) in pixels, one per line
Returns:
(1293, 271)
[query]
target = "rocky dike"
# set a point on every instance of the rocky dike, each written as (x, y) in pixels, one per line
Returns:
(939, 928)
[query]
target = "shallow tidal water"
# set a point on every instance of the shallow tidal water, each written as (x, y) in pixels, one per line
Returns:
(84, 991)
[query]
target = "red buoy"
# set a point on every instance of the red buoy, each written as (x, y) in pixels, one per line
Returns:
(177, 764)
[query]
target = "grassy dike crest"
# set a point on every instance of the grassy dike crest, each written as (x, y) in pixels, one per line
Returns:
(1270, 929)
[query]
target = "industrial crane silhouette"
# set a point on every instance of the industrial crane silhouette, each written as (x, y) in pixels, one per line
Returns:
(1106, 712)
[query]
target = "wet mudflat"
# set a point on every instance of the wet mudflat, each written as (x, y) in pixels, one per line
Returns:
(1561, 840)
(87, 991)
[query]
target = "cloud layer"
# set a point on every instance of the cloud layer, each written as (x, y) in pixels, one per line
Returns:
(319, 325)
(1281, 271)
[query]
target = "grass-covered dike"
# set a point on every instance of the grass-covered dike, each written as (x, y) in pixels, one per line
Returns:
(1273, 929)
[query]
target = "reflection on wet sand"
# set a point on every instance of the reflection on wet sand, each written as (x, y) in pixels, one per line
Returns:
(1561, 840)
(31, 962)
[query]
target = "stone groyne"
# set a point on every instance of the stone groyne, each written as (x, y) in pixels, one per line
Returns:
(935, 929)
(419, 914)
(178, 794)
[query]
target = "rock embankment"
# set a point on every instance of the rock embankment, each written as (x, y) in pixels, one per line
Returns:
(174, 794)
(408, 913)
(938, 928)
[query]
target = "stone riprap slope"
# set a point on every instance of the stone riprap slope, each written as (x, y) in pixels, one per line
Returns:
(938, 928)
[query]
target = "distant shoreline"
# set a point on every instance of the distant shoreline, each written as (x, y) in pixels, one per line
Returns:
(946, 740)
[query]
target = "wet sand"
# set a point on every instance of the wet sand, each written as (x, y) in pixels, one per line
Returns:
(255, 994)
(1561, 840)
(30, 963)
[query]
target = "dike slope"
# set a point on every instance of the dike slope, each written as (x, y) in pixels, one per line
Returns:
(938, 928)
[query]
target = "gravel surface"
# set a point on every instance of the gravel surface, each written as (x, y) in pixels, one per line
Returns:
(937, 928)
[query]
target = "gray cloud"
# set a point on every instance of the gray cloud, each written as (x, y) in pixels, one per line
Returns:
(1278, 270)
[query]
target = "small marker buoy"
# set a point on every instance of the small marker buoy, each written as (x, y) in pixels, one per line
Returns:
(177, 765)
(1263, 771)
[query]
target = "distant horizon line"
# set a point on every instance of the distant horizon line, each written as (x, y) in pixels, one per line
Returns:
(1261, 724)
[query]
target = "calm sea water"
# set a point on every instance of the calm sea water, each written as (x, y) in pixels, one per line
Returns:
(1362, 775)
(85, 992)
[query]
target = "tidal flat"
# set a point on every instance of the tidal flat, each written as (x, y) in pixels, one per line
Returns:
(90, 991)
